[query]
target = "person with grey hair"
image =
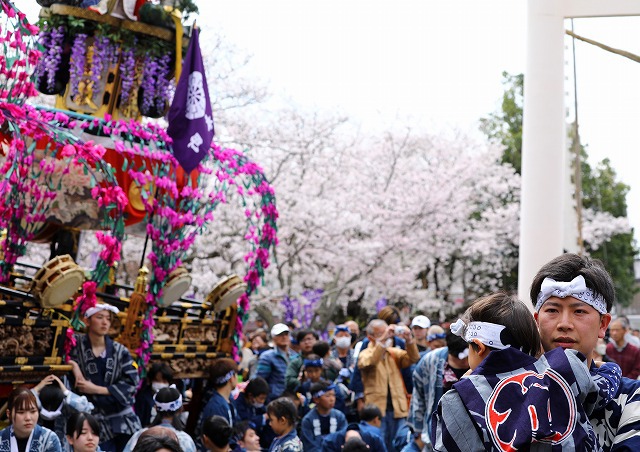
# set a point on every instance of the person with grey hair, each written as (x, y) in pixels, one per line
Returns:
(621, 351)
(380, 364)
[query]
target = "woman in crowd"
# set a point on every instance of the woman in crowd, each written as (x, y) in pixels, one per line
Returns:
(83, 433)
(23, 433)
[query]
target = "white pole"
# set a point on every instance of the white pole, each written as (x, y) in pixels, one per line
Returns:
(543, 142)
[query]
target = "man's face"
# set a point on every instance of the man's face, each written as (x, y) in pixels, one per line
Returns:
(570, 323)
(377, 332)
(617, 331)
(306, 344)
(282, 340)
(419, 333)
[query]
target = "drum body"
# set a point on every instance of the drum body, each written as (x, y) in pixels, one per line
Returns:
(177, 284)
(226, 293)
(57, 281)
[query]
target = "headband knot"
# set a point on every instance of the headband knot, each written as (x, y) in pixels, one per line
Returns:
(51, 415)
(576, 288)
(487, 333)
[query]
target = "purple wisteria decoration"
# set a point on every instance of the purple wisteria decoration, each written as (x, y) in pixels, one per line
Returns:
(52, 41)
(304, 309)
(127, 73)
(149, 75)
(104, 55)
(78, 62)
(381, 303)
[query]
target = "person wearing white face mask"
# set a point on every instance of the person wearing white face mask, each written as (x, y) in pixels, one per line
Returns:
(159, 375)
(250, 403)
(342, 349)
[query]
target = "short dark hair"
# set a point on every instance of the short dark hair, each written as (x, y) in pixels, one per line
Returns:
(520, 331)
(51, 396)
(152, 443)
(567, 266)
(369, 412)
(240, 430)
(455, 344)
(300, 335)
(220, 368)
(283, 407)
(218, 430)
(355, 445)
(160, 367)
(76, 422)
(257, 386)
(321, 348)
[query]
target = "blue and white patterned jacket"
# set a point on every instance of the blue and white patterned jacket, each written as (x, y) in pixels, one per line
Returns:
(42, 440)
(310, 431)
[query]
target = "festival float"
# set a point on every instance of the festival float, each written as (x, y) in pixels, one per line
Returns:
(96, 162)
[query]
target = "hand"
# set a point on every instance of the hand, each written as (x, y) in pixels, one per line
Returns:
(88, 387)
(75, 370)
(45, 381)
(391, 332)
(407, 335)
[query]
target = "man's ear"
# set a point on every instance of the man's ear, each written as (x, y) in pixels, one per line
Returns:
(604, 324)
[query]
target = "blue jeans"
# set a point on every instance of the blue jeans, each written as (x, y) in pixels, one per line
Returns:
(390, 427)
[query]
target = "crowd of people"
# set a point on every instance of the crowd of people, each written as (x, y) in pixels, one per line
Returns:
(498, 378)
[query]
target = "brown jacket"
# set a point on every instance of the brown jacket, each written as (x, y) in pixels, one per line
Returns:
(380, 370)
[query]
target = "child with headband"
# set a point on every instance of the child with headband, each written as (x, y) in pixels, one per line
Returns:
(515, 399)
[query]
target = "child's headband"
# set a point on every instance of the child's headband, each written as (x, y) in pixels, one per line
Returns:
(485, 332)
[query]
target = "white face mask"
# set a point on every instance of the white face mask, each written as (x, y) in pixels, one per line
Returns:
(156, 386)
(343, 342)
(601, 349)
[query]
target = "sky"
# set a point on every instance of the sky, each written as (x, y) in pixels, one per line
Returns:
(437, 63)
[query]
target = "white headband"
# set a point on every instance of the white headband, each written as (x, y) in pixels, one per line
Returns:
(100, 307)
(174, 405)
(51, 415)
(576, 288)
(485, 332)
(226, 377)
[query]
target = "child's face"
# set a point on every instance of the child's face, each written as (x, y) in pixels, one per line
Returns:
(278, 425)
(313, 373)
(326, 401)
(251, 441)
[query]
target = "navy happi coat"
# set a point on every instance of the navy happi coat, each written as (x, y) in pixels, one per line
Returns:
(513, 401)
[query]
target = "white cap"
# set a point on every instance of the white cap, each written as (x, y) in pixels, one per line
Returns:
(421, 320)
(279, 328)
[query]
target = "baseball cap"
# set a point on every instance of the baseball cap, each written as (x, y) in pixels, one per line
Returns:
(279, 328)
(421, 320)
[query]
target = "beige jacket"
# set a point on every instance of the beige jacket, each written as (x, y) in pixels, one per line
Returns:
(380, 369)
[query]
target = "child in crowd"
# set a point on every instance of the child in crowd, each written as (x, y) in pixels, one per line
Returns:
(168, 406)
(159, 375)
(323, 418)
(245, 438)
(83, 433)
(512, 397)
(250, 403)
(57, 403)
(312, 370)
(216, 434)
(368, 429)
(282, 418)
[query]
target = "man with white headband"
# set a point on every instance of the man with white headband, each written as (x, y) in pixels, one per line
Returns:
(103, 370)
(572, 296)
